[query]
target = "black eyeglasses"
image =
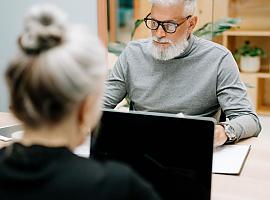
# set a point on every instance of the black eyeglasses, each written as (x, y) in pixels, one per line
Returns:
(168, 26)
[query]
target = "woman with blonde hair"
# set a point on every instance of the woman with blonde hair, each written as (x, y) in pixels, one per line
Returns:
(56, 87)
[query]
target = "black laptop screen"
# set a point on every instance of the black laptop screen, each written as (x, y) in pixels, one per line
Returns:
(174, 154)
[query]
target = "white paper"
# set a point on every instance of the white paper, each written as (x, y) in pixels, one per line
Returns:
(84, 149)
(229, 159)
(180, 115)
(5, 139)
(6, 131)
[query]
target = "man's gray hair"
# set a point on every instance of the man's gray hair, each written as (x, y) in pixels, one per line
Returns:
(189, 5)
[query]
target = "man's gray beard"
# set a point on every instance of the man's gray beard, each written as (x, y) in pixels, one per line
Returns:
(169, 52)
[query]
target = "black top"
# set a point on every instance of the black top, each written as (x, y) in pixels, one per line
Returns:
(39, 172)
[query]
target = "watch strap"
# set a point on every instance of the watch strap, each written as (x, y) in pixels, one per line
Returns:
(229, 131)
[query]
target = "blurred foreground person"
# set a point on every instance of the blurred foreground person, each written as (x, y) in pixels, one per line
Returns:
(56, 86)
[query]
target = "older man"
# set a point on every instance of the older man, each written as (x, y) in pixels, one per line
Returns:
(175, 72)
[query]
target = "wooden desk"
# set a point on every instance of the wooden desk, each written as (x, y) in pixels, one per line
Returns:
(7, 119)
(253, 182)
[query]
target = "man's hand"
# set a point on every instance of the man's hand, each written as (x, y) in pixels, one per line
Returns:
(219, 137)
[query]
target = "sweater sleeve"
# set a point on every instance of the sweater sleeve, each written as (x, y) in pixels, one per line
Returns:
(115, 86)
(233, 99)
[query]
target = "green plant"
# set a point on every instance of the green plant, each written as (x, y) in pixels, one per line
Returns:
(117, 47)
(211, 30)
(137, 23)
(247, 50)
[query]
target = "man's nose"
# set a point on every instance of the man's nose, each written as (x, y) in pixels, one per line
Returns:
(160, 32)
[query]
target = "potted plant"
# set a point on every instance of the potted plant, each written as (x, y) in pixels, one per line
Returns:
(250, 57)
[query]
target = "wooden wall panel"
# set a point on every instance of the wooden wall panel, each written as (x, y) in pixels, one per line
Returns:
(253, 12)
(205, 9)
(267, 92)
(141, 9)
(113, 21)
(102, 21)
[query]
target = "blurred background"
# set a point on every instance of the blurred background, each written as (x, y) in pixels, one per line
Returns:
(11, 16)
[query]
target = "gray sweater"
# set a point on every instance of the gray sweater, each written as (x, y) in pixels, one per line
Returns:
(200, 81)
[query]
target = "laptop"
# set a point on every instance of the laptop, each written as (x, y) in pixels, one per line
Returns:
(174, 154)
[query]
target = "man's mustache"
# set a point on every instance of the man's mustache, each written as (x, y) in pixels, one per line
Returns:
(161, 40)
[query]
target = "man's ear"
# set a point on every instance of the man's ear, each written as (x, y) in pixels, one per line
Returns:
(192, 23)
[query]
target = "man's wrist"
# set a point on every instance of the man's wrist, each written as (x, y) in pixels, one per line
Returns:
(229, 131)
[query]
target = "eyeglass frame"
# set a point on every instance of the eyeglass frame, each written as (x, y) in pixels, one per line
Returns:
(161, 23)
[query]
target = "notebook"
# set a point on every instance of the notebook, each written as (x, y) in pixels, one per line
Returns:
(173, 154)
(230, 159)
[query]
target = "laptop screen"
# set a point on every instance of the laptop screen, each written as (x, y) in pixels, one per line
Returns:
(173, 154)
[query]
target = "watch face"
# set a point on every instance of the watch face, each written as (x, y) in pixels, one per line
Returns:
(230, 132)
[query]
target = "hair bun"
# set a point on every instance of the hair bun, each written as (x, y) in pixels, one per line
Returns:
(44, 28)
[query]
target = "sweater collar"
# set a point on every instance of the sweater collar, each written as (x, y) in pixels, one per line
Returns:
(187, 51)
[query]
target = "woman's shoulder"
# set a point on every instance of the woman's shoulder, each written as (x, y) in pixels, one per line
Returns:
(112, 176)
(103, 170)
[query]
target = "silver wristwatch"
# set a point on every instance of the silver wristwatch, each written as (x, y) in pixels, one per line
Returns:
(229, 131)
